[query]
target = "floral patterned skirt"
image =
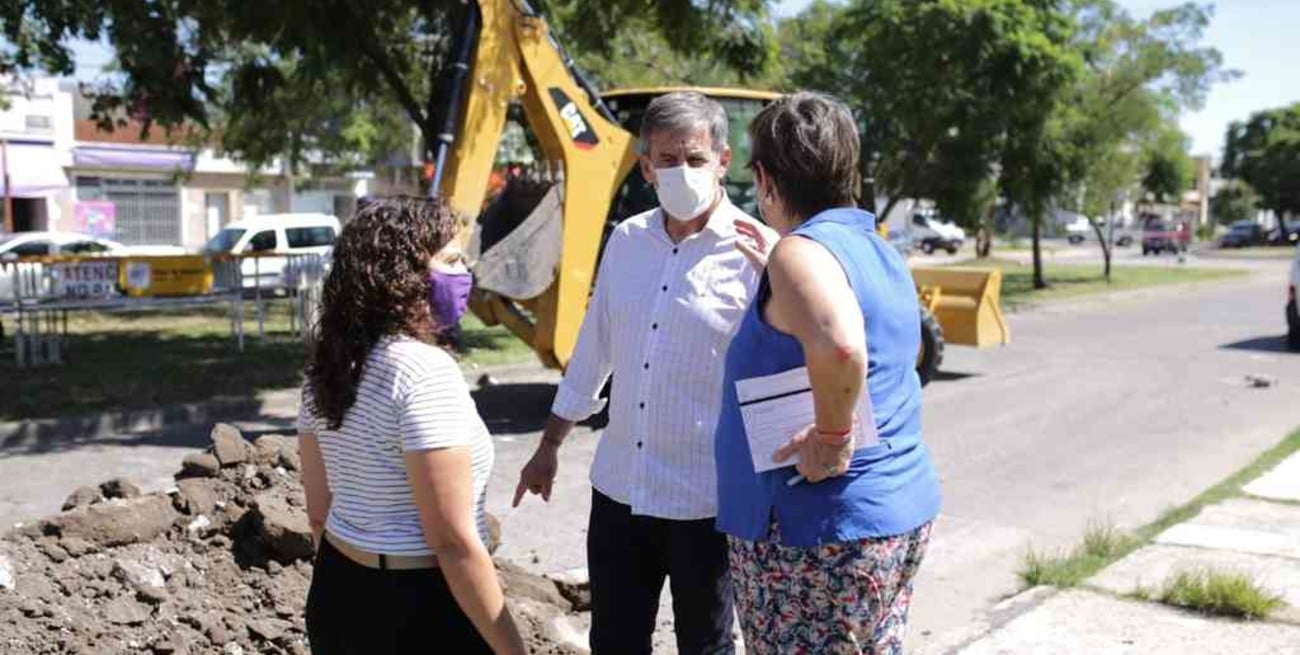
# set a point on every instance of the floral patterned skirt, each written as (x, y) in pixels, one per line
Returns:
(848, 598)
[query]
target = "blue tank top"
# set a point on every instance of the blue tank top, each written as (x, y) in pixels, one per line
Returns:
(890, 488)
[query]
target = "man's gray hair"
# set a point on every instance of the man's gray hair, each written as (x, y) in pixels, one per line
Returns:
(684, 111)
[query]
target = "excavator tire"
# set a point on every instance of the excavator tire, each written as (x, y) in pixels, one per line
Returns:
(930, 358)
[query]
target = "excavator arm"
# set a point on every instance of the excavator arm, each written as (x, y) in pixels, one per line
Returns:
(516, 60)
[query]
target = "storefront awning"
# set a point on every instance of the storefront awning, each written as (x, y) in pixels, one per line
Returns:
(132, 157)
(35, 171)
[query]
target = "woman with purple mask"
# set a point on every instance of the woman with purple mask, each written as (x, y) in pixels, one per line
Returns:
(395, 458)
(450, 283)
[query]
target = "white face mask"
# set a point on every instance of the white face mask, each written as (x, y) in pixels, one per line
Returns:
(686, 192)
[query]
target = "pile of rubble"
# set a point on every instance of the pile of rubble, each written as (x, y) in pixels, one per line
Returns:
(221, 563)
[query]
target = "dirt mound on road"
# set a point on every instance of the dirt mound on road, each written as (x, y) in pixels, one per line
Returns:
(219, 564)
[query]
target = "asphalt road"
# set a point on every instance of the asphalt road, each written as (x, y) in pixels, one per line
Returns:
(1110, 408)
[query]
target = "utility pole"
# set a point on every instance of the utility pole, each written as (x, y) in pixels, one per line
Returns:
(9, 192)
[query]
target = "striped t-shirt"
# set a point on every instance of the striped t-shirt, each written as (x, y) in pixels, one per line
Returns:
(412, 397)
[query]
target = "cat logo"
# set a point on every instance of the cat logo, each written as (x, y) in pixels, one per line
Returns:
(581, 133)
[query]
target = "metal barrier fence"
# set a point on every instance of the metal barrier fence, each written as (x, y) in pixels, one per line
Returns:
(38, 294)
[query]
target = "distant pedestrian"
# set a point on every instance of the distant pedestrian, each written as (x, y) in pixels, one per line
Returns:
(825, 565)
(395, 457)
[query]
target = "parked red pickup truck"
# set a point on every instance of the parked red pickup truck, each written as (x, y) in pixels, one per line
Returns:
(1160, 236)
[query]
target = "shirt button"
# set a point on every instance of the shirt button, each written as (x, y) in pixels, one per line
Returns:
(654, 326)
(638, 444)
(642, 405)
(647, 366)
(665, 287)
(674, 251)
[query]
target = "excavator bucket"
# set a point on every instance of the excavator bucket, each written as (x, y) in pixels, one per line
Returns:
(967, 302)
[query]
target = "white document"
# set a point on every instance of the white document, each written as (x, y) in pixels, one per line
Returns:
(776, 407)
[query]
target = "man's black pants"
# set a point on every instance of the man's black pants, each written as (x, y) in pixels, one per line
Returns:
(628, 558)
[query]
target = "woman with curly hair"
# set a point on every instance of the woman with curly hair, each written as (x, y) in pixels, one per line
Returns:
(395, 457)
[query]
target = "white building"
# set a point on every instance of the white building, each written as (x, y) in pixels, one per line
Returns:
(66, 174)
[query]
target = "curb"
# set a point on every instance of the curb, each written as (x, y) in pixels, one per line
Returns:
(274, 406)
(16, 434)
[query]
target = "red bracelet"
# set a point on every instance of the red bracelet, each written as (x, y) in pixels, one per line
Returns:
(837, 438)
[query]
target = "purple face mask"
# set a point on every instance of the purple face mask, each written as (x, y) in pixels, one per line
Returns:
(449, 296)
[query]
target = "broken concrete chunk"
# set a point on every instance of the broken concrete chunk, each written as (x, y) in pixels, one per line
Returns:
(198, 526)
(283, 529)
(574, 585)
(519, 583)
(197, 496)
(137, 575)
(76, 547)
(199, 465)
(119, 488)
(83, 497)
(6, 574)
(268, 629)
(114, 523)
(228, 445)
(126, 611)
(266, 449)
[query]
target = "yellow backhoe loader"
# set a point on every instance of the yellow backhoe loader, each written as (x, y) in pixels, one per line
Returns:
(535, 246)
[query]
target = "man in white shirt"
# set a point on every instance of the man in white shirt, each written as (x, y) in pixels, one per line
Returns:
(673, 285)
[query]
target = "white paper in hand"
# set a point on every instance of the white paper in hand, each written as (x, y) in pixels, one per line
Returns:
(776, 407)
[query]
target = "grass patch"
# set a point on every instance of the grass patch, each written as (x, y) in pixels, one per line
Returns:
(1258, 252)
(1219, 593)
(147, 359)
(1073, 280)
(1102, 544)
(482, 345)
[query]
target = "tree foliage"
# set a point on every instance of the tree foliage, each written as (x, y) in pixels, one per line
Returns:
(936, 85)
(291, 77)
(1169, 169)
(1265, 153)
(1235, 202)
(1112, 128)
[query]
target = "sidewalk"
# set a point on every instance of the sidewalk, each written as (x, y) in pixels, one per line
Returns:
(1258, 535)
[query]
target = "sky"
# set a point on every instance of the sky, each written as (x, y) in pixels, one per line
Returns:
(1257, 38)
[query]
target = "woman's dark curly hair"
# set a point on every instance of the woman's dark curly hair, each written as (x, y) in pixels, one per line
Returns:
(378, 286)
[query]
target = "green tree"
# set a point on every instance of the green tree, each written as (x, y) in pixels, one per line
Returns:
(1169, 169)
(1110, 128)
(1235, 202)
(1264, 152)
(292, 77)
(937, 86)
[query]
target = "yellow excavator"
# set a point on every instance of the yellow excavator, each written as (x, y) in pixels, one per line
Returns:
(535, 244)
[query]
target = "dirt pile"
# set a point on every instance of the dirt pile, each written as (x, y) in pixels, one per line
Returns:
(219, 564)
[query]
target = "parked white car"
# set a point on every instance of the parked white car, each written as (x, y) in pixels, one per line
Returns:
(42, 244)
(932, 233)
(1292, 313)
(1078, 230)
(275, 238)
(16, 251)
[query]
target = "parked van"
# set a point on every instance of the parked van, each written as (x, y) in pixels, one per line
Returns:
(274, 238)
(933, 233)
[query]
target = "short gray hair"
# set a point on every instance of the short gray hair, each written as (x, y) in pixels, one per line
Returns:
(684, 111)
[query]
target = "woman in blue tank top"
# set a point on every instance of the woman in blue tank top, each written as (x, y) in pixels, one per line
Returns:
(824, 549)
